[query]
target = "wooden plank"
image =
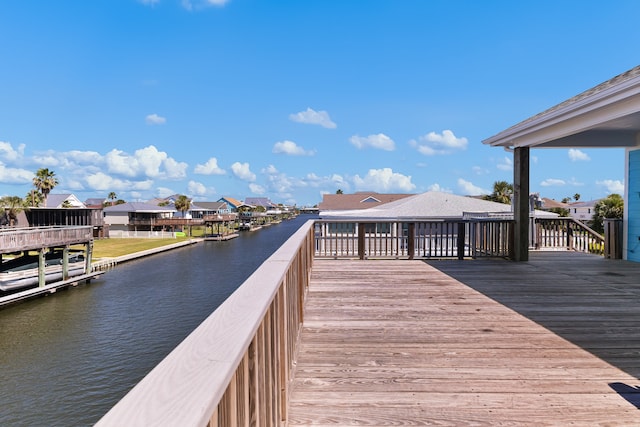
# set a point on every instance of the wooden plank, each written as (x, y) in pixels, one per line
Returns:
(469, 343)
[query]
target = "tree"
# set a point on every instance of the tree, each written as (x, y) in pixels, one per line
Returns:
(12, 206)
(611, 206)
(112, 196)
(33, 199)
(502, 192)
(339, 191)
(183, 204)
(576, 197)
(44, 181)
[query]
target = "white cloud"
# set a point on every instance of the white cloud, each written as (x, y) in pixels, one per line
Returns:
(469, 189)
(505, 165)
(146, 161)
(612, 186)
(100, 181)
(256, 189)
(437, 187)
(209, 168)
(200, 4)
(242, 171)
(313, 117)
(164, 192)
(384, 180)
(291, 148)
(478, 170)
(7, 151)
(379, 141)
(576, 155)
(434, 143)
(196, 188)
(10, 175)
(154, 119)
(552, 182)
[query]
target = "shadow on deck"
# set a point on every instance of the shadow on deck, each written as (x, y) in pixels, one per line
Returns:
(553, 341)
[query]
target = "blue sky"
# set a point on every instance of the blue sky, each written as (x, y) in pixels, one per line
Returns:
(292, 99)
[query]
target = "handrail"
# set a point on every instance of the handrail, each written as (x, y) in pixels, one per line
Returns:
(411, 239)
(565, 233)
(19, 239)
(235, 368)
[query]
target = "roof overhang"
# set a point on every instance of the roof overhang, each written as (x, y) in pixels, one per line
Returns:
(605, 116)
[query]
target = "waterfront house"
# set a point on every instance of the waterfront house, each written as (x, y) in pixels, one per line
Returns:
(67, 210)
(360, 200)
(582, 211)
(234, 204)
(58, 201)
(136, 217)
(605, 116)
(96, 203)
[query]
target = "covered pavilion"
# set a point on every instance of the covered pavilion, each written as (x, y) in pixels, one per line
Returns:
(605, 116)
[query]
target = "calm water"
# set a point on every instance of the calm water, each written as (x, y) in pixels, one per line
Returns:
(67, 358)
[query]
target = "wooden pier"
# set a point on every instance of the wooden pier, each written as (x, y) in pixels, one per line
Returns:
(554, 341)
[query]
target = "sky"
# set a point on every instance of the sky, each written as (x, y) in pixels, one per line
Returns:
(291, 99)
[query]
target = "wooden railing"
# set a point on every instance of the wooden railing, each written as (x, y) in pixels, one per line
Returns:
(565, 234)
(20, 239)
(235, 368)
(416, 239)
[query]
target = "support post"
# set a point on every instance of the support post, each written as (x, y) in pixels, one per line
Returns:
(521, 203)
(361, 240)
(42, 264)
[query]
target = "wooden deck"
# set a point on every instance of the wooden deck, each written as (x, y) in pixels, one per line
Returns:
(553, 341)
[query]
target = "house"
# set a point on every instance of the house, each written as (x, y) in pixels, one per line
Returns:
(364, 200)
(432, 205)
(605, 116)
(58, 201)
(95, 203)
(212, 208)
(66, 210)
(263, 202)
(234, 204)
(582, 211)
(136, 216)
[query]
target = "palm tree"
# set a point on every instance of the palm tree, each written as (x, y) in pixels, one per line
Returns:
(183, 204)
(502, 192)
(112, 196)
(33, 199)
(12, 205)
(44, 181)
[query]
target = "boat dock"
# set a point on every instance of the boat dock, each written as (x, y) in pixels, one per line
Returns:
(47, 289)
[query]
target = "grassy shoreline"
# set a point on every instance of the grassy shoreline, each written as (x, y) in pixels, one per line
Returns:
(109, 248)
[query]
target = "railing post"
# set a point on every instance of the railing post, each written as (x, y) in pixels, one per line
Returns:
(461, 240)
(411, 239)
(361, 251)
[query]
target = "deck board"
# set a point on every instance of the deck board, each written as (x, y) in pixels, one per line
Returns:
(554, 341)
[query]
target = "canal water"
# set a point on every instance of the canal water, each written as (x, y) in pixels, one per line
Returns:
(67, 358)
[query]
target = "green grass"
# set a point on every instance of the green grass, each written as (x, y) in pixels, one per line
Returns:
(106, 248)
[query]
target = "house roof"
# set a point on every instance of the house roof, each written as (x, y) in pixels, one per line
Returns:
(334, 202)
(429, 205)
(141, 207)
(259, 201)
(233, 202)
(211, 206)
(95, 201)
(58, 200)
(551, 204)
(607, 115)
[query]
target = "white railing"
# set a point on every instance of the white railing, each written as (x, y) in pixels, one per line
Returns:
(235, 368)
